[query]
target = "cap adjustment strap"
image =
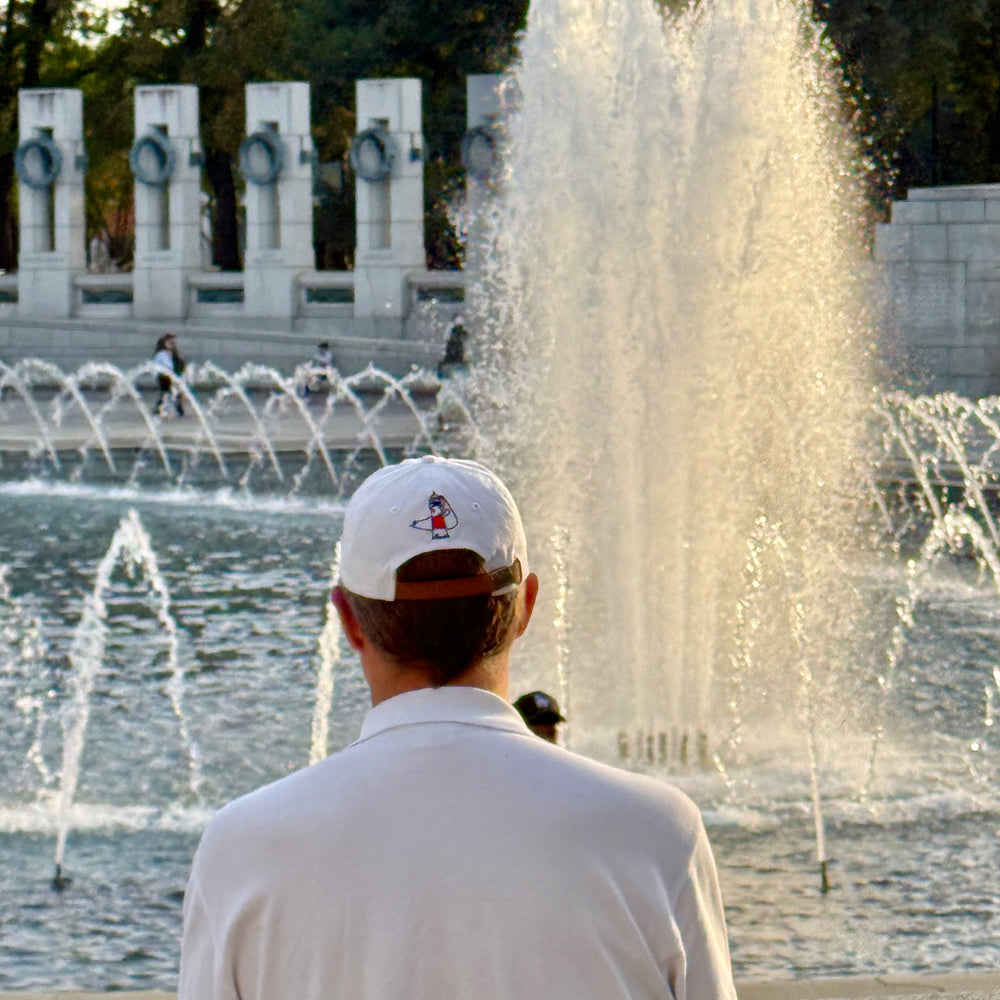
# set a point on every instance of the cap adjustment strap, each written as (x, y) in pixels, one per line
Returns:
(466, 586)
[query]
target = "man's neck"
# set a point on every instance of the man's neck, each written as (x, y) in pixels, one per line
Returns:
(387, 679)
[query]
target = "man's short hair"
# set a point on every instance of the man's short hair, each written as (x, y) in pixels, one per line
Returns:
(445, 637)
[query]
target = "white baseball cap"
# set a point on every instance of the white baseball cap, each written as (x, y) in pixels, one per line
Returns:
(423, 505)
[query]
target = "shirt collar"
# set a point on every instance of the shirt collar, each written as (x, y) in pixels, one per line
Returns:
(468, 705)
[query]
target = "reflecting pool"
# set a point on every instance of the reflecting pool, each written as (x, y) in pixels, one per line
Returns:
(246, 629)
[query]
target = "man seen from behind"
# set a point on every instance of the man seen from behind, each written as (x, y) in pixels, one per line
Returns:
(449, 852)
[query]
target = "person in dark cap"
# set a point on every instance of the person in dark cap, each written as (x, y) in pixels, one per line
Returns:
(541, 713)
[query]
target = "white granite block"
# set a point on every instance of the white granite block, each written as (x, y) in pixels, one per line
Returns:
(379, 293)
(932, 359)
(168, 218)
(45, 292)
(407, 199)
(914, 213)
(35, 239)
(378, 101)
(954, 192)
(408, 244)
(52, 220)
(985, 270)
(158, 291)
(283, 102)
(482, 98)
(962, 211)
(279, 215)
(893, 242)
(982, 304)
(929, 243)
(389, 214)
(974, 242)
(967, 361)
(173, 105)
(372, 238)
(270, 290)
(410, 106)
(296, 206)
(927, 297)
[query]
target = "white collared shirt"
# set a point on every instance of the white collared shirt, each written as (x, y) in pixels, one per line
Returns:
(450, 853)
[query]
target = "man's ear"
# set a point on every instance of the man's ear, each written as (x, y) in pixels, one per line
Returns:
(530, 593)
(347, 620)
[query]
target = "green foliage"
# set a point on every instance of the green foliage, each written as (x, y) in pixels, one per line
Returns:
(36, 43)
(925, 73)
(217, 45)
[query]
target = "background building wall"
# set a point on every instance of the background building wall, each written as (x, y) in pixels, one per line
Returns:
(940, 255)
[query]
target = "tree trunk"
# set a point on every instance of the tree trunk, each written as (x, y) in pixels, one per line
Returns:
(225, 230)
(39, 25)
(8, 224)
(10, 80)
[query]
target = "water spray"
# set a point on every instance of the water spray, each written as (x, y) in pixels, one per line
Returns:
(130, 545)
(329, 658)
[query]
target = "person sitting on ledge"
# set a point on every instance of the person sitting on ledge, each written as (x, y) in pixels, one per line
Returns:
(449, 852)
(454, 350)
(317, 372)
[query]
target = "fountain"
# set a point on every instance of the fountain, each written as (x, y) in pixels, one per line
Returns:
(246, 419)
(656, 197)
(763, 580)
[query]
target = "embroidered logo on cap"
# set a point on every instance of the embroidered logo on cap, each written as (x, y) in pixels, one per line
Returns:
(441, 517)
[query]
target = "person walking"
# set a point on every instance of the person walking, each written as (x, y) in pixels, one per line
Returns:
(167, 358)
(449, 852)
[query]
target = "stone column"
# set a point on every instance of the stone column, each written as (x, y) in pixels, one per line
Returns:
(480, 157)
(277, 160)
(479, 144)
(387, 155)
(166, 161)
(50, 163)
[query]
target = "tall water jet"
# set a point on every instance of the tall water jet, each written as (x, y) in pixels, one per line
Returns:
(130, 547)
(672, 330)
(329, 658)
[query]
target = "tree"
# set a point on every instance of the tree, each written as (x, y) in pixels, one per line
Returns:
(974, 92)
(216, 45)
(27, 30)
(926, 75)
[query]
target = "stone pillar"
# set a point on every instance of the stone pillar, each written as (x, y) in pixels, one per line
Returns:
(277, 160)
(387, 155)
(166, 161)
(479, 144)
(50, 163)
(480, 157)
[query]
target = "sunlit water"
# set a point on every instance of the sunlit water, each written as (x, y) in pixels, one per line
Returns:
(672, 331)
(912, 864)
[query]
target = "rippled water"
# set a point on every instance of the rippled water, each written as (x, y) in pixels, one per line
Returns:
(913, 865)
